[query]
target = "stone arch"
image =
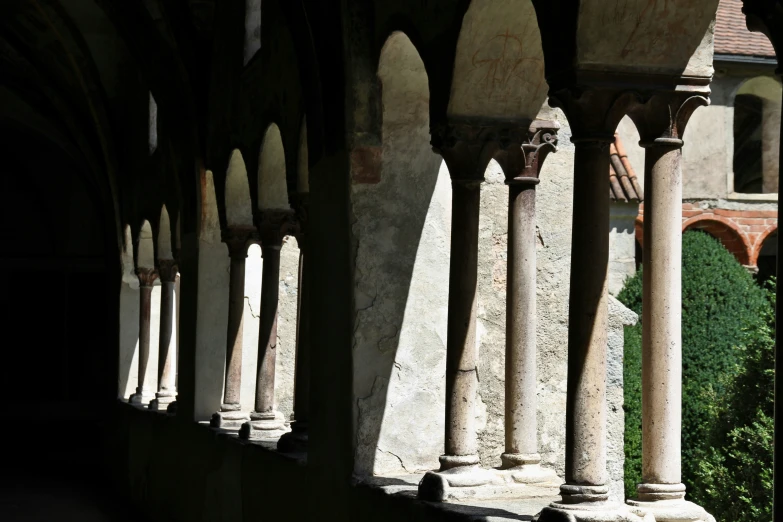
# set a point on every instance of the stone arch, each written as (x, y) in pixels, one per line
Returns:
(165, 249)
(272, 186)
(724, 231)
(499, 63)
(302, 162)
(145, 256)
(771, 231)
(402, 223)
(239, 208)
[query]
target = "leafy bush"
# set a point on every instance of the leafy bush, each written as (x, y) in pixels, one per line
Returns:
(736, 478)
(720, 301)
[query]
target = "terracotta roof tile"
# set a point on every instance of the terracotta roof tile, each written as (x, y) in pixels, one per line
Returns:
(732, 35)
(623, 185)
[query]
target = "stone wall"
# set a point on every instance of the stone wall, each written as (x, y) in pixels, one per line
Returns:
(401, 236)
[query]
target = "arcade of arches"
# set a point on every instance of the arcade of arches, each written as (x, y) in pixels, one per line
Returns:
(288, 258)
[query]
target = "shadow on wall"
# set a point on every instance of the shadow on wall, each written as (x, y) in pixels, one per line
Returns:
(401, 232)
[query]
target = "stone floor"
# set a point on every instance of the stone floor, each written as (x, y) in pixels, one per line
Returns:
(44, 499)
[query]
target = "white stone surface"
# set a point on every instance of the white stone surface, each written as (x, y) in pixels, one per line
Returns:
(239, 209)
(622, 244)
(272, 188)
(212, 313)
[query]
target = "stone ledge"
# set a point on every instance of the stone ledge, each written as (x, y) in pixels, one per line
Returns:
(397, 496)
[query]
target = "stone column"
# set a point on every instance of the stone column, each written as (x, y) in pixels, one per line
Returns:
(467, 150)
(265, 420)
(522, 164)
(147, 278)
(167, 350)
(593, 115)
(231, 414)
(662, 492)
(296, 440)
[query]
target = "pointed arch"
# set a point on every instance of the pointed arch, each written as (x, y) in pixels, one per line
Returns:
(165, 250)
(145, 257)
(272, 186)
(239, 209)
(499, 64)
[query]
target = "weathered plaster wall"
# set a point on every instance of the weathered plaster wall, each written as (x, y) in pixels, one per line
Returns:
(622, 244)
(619, 317)
(401, 234)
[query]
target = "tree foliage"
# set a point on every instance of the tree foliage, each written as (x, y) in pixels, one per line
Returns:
(721, 303)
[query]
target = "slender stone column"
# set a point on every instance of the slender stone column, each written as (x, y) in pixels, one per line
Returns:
(296, 440)
(593, 115)
(265, 420)
(467, 150)
(167, 347)
(662, 492)
(231, 414)
(522, 164)
(147, 278)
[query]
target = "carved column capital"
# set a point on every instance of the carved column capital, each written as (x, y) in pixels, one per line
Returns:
(274, 225)
(237, 239)
(467, 147)
(167, 270)
(661, 116)
(300, 202)
(593, 113)
(522, 161)
(147, 276)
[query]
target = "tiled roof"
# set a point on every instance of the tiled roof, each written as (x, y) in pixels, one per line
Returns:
(623, 185)
(732, 35)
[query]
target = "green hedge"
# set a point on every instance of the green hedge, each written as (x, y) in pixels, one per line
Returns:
(720, 300)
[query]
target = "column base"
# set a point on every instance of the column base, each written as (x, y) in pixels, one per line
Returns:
(263, 426)
(295, 441)
(526, 469)
(666, 502)
(141, 397)
(162, 401)
(601, 511)
(473, 482)
(227, 419)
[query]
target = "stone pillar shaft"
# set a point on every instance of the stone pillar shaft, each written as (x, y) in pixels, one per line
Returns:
(587, 332)
(296, 440)
(461, 349)
(267, 339)
(521, 380)
(236, 314)
(167, 346)
(147, 277)
(662, 306)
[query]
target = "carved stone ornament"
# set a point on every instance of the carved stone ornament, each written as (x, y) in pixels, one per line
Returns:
(275, 225)
(147, 276)
(168, 269)
(593, 113)
(661, 116)
(522, 162)
(237, 239)
(300, 202)
(468, 147)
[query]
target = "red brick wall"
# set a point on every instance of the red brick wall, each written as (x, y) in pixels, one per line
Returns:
(742, 232)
